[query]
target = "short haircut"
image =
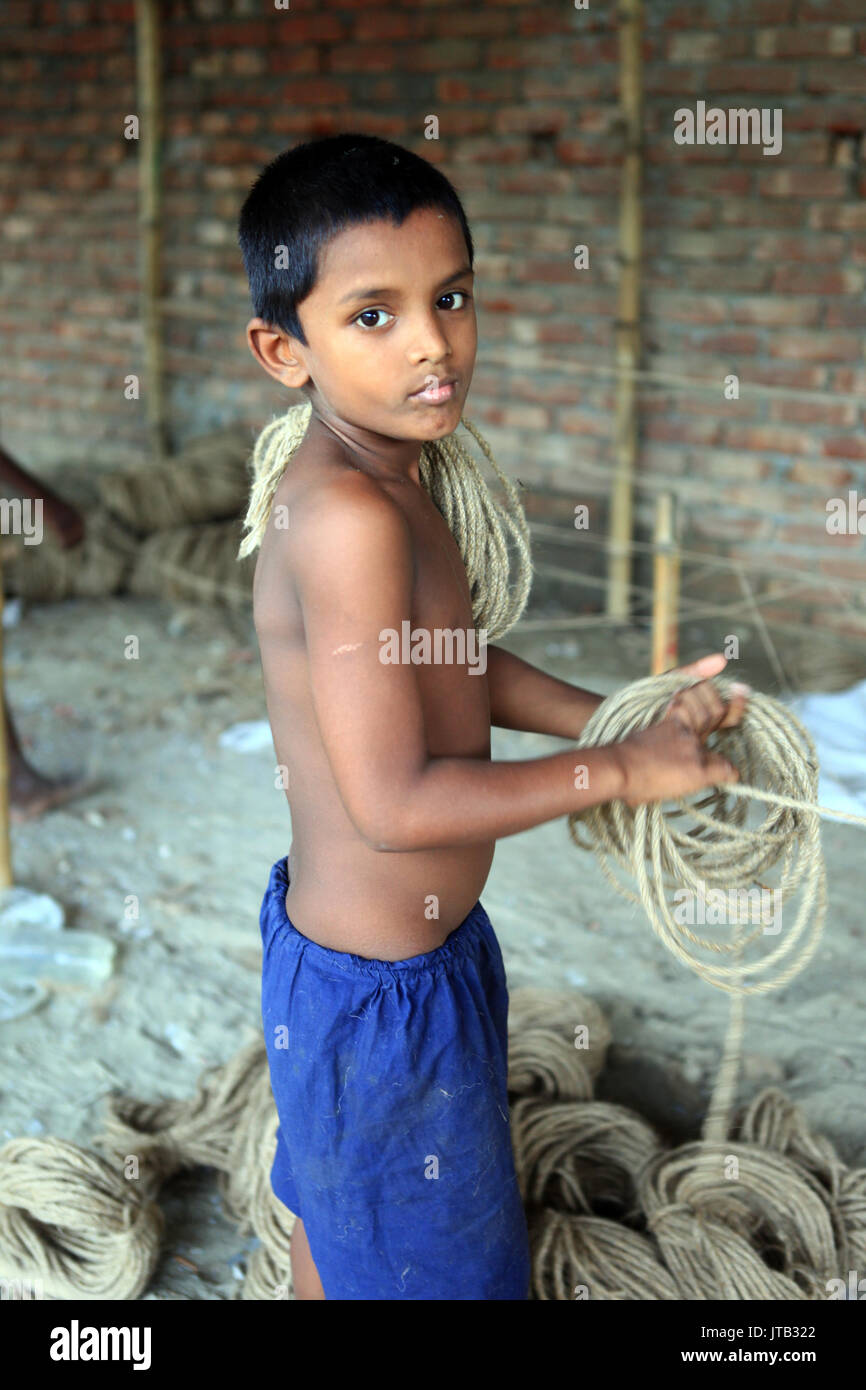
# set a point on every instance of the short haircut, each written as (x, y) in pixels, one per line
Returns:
(310, 193)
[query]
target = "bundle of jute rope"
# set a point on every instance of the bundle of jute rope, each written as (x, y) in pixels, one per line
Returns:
(694, 852)
(612, 1213)
(205, 482)
(493, 539)
(198, 564)
(98, 566)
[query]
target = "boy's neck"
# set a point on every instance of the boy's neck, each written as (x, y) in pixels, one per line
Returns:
(373, 453)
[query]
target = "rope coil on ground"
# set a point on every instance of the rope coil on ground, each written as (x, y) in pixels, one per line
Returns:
(613, 1213)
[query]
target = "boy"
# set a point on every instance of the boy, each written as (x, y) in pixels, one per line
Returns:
(383, 990)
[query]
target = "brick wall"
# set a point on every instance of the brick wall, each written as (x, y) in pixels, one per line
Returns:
(754, 264)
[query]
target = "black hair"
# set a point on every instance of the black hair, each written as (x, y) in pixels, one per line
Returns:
(309, 193)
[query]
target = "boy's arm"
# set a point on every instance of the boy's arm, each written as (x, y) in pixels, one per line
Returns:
(351, 557)
(61, 516)
(524, 697)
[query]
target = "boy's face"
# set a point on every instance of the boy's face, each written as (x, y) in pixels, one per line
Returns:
(390, 314)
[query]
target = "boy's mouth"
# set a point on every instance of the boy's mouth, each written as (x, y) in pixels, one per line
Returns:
(436, 390)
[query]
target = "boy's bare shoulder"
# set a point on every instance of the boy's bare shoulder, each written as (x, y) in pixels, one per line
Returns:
(331, 508)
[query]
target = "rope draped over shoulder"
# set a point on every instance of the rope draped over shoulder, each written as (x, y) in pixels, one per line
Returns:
(480, 525)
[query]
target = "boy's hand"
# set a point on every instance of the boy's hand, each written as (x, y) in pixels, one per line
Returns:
(670, 759)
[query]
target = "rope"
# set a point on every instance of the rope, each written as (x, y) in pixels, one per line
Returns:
(482, 528)
(718, 852)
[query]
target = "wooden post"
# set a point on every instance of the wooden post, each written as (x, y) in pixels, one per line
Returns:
(5, 847)
(628, 312)
(666, 586)
(149, 94)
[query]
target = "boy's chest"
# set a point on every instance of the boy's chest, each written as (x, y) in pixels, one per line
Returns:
(441, 596)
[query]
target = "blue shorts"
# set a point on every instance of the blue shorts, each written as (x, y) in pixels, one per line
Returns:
(394, 1141)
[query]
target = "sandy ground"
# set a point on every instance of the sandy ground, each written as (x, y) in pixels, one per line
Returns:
(193, 828)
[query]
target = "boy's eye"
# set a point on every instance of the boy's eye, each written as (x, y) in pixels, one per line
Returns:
(367, 313)
(462, 294)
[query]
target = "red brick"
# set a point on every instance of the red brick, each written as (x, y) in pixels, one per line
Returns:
(804, 42)
(846, 315)
(768, 439)
(851, 448)
(518, 417)
(690, 182)
(686, 308)
(369, 57)
(670, 431)
(769, 312)
(247, 33)
(835, 77)
(574, 86)
(828, 412)
(466, 23)
(544, 120)
(587, 152)
(725, 344)
(671, 79)
(799, 248)
(844, 567)
(816, 346)
(581, 422)
(822, 11)
(834, 116)
(739, 279)
(369, 24)
(442, 55)
(102, 40)
(819, 475)
(315, 92)
(748, 12)
(292, 60)
(724, 78)
(793, 183)
(797, 280)
(702, 47)
(716, 463)
(850, 381)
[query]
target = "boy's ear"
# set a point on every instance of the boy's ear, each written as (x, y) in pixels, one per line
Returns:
(277, 353)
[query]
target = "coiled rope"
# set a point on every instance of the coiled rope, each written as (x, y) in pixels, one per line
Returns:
(706, 848)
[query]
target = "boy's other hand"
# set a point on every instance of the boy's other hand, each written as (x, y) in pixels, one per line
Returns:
(670, 759)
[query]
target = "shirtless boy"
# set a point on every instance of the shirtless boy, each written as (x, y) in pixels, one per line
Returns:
(383, 991)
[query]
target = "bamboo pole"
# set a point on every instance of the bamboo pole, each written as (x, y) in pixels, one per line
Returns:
(149, 94)
(666, 587)
(628, 310)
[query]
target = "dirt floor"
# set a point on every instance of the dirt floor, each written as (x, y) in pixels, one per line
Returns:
(192, 828)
